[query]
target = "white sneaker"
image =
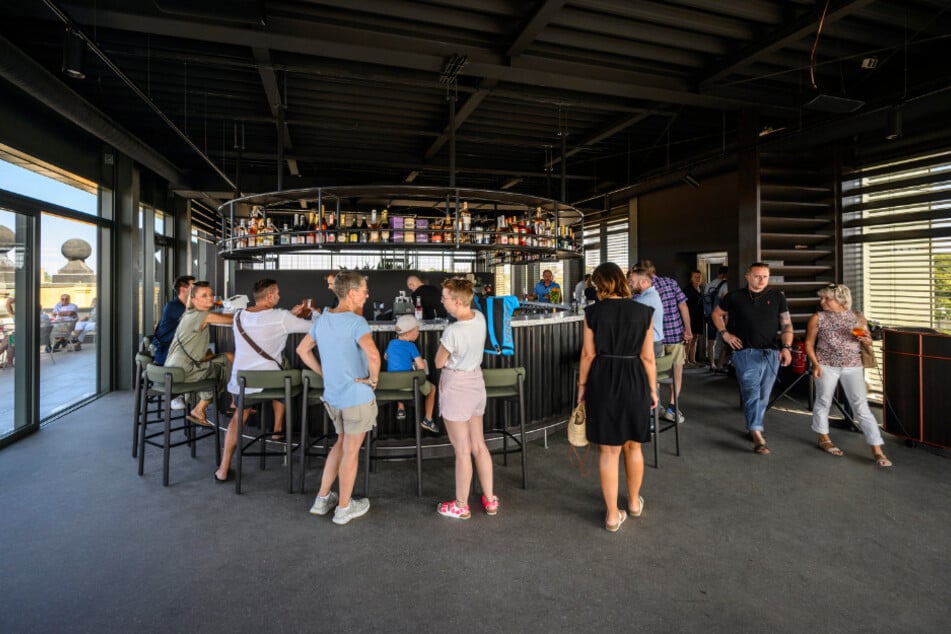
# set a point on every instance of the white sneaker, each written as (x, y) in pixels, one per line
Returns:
(357, 508)
(323, 505)
(178, 402)
(669, 415)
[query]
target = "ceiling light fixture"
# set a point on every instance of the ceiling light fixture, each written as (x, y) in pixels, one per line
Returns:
(74, 55)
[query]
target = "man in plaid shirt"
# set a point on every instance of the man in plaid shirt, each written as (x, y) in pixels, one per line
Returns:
(676, 330)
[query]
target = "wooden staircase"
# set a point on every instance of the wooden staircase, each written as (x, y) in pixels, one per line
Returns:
(797, 229)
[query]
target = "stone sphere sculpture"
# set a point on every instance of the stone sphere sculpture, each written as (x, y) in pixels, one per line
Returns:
(7, 239)
(76, 249)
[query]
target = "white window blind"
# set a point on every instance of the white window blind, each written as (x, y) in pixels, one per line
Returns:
(897, 242)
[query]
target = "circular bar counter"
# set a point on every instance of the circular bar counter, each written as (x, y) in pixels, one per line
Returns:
(545, 345)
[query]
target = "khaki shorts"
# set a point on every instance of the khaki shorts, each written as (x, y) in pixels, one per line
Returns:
(353, 420)
(677, 351)
(426, 388)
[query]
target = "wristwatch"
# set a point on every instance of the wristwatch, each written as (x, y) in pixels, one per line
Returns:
(787, 346)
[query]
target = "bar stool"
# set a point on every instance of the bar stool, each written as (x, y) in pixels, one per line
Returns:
(665, 376)
(141, 385)
(508, 384)
(274, 385)
(402, 386)
(168, 382)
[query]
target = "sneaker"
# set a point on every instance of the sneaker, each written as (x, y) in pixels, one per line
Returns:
(669, 415)
(322, 505)
(178, 402)
(491, 506)
(357, 508)
(400, 415)
(429, 425)
(451, 509)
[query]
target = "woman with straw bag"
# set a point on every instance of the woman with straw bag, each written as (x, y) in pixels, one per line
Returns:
(617, 382)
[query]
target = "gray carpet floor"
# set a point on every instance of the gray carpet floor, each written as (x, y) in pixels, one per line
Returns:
(729, 541)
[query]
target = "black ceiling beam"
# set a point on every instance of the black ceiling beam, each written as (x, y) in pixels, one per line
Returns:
(360, 160)
(780, 38)
(274, 100)
(613, 128)
(413, 54)
(534, 26)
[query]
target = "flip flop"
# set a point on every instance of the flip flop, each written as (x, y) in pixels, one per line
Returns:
(761, 449)
(204, 422)
(622, 515)
(881, 460)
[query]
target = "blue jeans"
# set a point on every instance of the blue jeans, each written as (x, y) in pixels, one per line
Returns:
(756, 370)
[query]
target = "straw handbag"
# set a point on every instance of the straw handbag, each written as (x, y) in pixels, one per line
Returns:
(577, 435)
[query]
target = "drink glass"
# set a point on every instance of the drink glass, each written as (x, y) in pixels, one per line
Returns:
(858, 331)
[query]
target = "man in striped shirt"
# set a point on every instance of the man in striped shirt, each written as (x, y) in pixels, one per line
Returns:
(676, 330)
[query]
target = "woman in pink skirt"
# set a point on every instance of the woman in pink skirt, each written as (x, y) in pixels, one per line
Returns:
(462, 397)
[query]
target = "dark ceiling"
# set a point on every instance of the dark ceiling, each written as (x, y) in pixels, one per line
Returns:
(633, 88)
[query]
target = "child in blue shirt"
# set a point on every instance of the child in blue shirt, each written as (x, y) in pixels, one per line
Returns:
(402, 355)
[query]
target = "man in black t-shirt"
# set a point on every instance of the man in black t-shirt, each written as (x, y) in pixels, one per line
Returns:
(756, 313)
(429, 296)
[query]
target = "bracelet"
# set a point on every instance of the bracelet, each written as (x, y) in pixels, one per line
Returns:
(582, 384)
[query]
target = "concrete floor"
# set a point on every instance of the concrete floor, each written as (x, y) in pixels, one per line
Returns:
(729, 541)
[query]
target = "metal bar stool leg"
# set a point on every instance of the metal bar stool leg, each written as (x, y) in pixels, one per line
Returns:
(166, 450)
(521, 426)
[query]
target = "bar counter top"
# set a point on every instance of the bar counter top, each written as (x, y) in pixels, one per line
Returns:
(546, 345)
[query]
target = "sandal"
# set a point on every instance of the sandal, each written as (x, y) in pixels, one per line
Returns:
(613, 528)
(640, 502)
(761, 449)
(829, 447)
(204, 422)
(491, 505)
(451, 509)
(881, 460)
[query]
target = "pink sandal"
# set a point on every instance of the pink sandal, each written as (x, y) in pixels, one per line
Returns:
(451, 509)
(491, 505)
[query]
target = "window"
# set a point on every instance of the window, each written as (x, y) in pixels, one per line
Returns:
(897, 242)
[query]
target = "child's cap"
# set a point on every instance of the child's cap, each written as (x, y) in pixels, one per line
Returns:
(406, 323)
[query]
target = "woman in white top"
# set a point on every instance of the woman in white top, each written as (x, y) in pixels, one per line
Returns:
(462, 397)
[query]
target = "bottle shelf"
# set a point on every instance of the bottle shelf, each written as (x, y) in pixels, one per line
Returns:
(513, 227)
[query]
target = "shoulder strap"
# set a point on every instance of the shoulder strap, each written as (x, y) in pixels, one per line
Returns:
(254, 346)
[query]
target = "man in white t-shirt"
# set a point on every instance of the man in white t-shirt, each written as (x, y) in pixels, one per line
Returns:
(267, 327)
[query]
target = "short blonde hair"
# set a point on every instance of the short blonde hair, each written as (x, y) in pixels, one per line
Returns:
(838, 292)
(460, 289)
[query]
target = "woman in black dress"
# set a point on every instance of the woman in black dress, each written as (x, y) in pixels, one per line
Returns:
(618, 383)
(695, 310)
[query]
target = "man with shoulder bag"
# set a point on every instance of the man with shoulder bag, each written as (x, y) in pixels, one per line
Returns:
(260, 334)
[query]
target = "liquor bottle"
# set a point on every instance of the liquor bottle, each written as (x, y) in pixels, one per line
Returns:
(466, 220)
(385, 226)
(418, 311)
(252, 240)
(448, 228)
(285, 237)
(240, 239)
(271, 233)
(330, 229)
(374, 227)
(354, 235)
(437, 232)
(364, 229)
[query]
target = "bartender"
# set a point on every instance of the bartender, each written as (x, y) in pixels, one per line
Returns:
(429, 296)
(544, 287)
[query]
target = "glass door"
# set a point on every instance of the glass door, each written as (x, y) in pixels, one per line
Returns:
(69, 292)
(12, 270)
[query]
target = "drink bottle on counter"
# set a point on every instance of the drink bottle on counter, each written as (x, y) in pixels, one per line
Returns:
(419, 309)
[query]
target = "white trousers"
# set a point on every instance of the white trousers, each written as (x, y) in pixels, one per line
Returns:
(853, 384)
